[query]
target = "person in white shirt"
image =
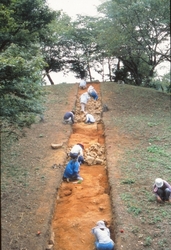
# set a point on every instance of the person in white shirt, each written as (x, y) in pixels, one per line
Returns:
(102, 235)
(83, 100)
(76, 152)
(83, 84)
(90, 119)
(92, 92)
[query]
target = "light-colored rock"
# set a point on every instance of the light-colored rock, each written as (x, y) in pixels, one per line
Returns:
(89, 160)
(99, 161)
(49, 247)
(56, 146)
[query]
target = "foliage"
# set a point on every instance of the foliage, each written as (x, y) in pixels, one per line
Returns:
(83, 46)
(54, 44)
(139, 35)
(22, 21)
(20, 88)
(21, 24)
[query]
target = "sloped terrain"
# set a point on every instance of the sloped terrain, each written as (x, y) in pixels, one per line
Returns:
(135, 136)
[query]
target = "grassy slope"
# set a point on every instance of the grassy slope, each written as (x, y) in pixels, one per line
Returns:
(143, 116)
(142, 120)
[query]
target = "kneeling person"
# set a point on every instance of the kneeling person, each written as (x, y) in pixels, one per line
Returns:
(102, 235)
(69, 117)
(89, 119)
(77, 153)
(72, 170)
(162, 190)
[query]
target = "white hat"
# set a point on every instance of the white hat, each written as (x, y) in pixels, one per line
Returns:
(100, 224)
(159, 182)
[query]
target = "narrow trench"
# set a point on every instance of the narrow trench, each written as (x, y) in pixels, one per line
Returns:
(80, 205)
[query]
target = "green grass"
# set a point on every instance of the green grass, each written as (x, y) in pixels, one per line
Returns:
(145, 119)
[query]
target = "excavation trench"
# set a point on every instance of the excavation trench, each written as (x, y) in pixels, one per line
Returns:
(80, 205)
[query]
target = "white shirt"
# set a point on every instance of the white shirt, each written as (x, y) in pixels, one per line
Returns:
(82, 83)
(90, 118)
(103, 236)
(90, 89)
(84, 98)
(77, 149)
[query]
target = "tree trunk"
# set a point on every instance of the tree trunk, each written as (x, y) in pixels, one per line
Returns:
(109, 66)
(50, 79)
(89, 72)
(118, 64)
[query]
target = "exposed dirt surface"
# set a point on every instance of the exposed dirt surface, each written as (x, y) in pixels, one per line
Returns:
(35, 203)
(83, 204)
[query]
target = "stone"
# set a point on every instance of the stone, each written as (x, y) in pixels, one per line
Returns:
(56, 146)
(89, 160)
(49, 247)
(98, 161)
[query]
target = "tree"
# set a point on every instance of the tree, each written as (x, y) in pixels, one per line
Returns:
(55, 44)
(21, 62)
(20, 89)
(22, 21)
(141, 35)
(83, 46)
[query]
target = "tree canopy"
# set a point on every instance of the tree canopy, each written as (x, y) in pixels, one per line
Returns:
(21, 63)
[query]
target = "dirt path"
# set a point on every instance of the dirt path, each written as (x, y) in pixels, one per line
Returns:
(80, 205)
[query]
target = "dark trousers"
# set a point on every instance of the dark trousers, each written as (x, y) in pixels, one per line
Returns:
(164, 194)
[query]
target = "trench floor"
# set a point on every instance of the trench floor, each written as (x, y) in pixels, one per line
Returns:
(80, 205)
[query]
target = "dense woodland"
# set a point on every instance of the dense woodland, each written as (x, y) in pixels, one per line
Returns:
(35, 40)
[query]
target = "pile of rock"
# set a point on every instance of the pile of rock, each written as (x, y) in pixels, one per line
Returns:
(92, 107)
(95, 155)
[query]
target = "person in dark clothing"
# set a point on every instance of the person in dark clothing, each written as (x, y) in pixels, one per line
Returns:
(69, 117)
(162, 190)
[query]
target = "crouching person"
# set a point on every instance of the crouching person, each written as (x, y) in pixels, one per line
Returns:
(83, 84)
(83, 100)
(162, 190)
(76, 153)
(92, 92)
(69, 117)
(90, 119)
(102, 235)
(72, 170)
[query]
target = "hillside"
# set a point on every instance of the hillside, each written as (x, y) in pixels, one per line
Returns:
(135, 133)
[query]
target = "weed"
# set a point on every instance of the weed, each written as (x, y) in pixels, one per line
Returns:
(135, 230)
(134, 210)
(148, 241)
(128, 181)
(152, 124)
(163, 243)
(157, 150)
(126, 197)
(154, 139)
(155, 220)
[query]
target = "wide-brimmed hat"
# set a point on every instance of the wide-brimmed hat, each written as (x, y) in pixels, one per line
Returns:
(159, 182)
(100, 224)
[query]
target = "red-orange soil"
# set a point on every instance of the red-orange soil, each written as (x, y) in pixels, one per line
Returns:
(80, 205)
